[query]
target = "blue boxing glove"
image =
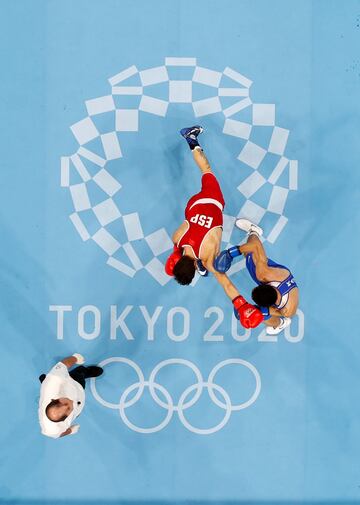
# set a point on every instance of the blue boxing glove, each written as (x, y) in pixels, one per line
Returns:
(201, 269)
(223, 262)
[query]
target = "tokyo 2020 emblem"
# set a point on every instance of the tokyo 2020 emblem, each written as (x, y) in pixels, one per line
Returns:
(243, 120)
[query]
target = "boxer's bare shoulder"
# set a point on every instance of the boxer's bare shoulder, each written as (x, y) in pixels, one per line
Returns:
(180, 232)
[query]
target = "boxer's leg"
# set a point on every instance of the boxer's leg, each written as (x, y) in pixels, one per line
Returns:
(254, 245)
(191, 134)
(253, 239)
(210, 187)
(201, 161)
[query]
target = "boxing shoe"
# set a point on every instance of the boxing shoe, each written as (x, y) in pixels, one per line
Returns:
(284, 323)
(190, 134)
(248, 226)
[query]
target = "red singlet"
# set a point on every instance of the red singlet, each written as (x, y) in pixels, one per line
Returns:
(203, 213)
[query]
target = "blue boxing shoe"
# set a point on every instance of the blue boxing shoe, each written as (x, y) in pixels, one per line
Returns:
(190, 134)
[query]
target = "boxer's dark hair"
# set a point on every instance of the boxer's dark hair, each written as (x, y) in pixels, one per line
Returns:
(184, 270)
(54, 403)
(264, 295)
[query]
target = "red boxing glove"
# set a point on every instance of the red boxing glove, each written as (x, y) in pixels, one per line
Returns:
(249, 315)
(172, 260)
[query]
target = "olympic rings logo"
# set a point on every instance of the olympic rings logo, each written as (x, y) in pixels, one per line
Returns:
(184, 403)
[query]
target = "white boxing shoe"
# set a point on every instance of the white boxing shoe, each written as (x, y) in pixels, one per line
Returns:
(248, 226)
(285, 322)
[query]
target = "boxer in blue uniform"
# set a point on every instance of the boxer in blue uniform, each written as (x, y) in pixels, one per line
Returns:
(276, 294)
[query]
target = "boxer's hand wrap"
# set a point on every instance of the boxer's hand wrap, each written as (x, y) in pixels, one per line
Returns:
(249, 315)
(265, 312)
(223, 262)
(172, 260)
(201, 269)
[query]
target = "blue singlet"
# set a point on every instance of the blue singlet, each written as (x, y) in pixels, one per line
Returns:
(284, 287)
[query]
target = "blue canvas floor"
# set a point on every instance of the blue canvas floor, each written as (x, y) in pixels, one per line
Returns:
(95, 178)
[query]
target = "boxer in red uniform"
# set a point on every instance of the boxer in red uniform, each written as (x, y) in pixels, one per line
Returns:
(198, 239)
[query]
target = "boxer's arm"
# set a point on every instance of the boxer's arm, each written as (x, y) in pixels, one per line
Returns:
(179, 232)
(249, 315)
(229, 288)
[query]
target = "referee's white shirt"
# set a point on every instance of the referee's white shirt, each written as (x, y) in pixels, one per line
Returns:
(59, 384)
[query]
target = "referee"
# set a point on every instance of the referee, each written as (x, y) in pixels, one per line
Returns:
(62, 396)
